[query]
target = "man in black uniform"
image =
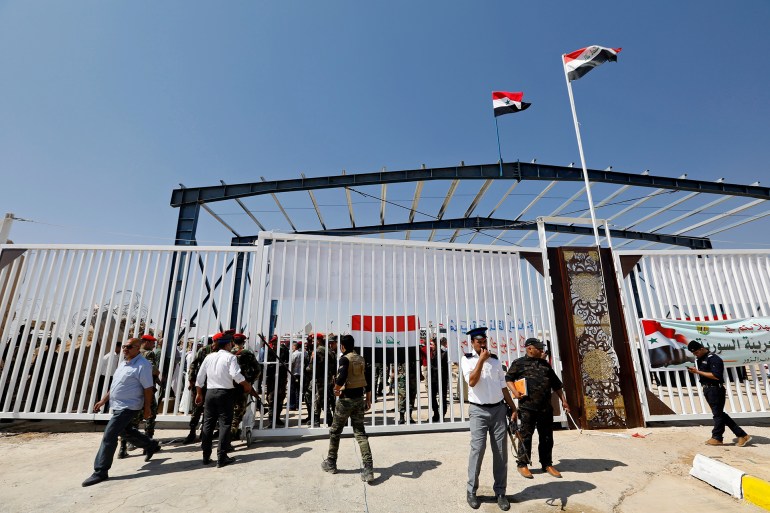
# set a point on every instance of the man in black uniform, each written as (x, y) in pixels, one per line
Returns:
(711, 370)
(535, 410)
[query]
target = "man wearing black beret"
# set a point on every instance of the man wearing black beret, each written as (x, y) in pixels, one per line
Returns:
(487, 395)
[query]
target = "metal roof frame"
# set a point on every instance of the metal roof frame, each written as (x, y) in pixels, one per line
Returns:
(189, 200)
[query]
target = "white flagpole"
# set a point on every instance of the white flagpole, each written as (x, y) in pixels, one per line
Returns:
(582, 157)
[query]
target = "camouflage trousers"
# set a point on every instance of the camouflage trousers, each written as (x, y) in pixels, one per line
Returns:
(402, 392)
(318, 404)
(352, 409)
(240, 404)
(149, 424)
(196, 411)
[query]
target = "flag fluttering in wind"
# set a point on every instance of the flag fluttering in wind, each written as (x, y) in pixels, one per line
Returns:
(508, 103)
(580, 62)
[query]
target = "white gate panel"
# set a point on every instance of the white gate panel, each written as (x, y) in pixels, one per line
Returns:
(311, 284)
(696, 286)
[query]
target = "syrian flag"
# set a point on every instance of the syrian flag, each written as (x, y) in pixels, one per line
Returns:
(580, 62)
(508, 103)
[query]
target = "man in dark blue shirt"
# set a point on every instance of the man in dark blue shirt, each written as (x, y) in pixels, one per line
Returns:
(711, 371)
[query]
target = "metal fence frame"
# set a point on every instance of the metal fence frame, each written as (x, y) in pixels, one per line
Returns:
(725, 284)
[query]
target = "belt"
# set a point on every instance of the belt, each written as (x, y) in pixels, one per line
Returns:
(712, 385)
(486, 405)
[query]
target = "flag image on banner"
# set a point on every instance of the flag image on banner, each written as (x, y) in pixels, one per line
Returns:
(508, 103)
(580, 62)
(385, 330)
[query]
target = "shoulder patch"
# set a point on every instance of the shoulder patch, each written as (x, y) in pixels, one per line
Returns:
(493, 355)
(469, 355)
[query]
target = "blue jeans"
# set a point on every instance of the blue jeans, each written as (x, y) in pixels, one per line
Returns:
(119, 424)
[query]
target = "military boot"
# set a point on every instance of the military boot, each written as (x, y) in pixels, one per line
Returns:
(402, 419)
(123, 452)
(190, 437)
(367, 474)
(329, 466)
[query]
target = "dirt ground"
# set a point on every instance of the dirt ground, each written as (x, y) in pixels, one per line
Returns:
(44, 463)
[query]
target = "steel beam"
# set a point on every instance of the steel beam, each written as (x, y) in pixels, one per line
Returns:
(510, 170)
(485, 223)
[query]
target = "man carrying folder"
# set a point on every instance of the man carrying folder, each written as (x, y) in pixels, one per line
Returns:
(535, 410)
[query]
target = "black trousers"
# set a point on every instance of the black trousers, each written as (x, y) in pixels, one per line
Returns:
(218, 407)
(543, 422)
(715, 396)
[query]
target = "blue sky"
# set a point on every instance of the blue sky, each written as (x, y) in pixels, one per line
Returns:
(105, 107)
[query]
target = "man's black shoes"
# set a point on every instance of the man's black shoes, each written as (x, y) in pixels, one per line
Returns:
(206, 460)
(503, 503)
(227, 460)
(473, 501)
(93, 479)
(149, 451)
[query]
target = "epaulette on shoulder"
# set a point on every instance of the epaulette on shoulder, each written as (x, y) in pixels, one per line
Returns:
(493, 355)
(469, 355)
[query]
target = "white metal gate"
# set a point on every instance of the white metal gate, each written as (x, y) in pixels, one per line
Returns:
(63, 309)
(703, 286)
(323, 284)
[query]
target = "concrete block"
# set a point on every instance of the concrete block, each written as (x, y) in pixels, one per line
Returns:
(717, 474)
(756, 491)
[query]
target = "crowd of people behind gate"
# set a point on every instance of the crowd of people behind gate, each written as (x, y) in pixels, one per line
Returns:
(222, 373)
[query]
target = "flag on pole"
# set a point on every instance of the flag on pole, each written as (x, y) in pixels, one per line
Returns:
(508, 103)
(580, 62)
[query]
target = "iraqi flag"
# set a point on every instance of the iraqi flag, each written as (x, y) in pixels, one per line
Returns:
(580, 62)
(391, 331)
(508, 103)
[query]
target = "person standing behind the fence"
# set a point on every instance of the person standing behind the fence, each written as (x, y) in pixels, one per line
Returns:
(487, 395)
(439, 362)
(247, 361)
(217, 373)
(355, 399)
(131, 391)
(196, 410)
(535, 410)
(711, 370)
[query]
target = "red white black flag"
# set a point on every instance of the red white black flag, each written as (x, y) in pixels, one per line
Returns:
(507, 103)
(580, 62)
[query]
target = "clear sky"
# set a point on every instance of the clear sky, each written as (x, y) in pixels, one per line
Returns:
(105, 107)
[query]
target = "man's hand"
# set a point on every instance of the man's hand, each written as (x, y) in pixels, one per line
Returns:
(99, 405)
(484, 355)
(565, 407)
(147, 412)
(199, 398)
(368, 401)
(514, 415)
(692, 370)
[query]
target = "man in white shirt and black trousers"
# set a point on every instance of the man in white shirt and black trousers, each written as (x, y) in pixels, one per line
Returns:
(488, 396)
(217, 373)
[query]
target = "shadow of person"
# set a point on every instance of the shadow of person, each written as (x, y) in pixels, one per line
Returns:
(588, 466)
(554, 491)
(407, 469)
(160, 465)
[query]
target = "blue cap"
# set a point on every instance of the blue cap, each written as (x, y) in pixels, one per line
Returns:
(475, 332)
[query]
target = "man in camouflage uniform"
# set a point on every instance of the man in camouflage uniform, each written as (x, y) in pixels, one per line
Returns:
(192, 373)
(324, 363)
(355, 399)
(535, 410)
(247, 360)
(152, 355)
(414, 367)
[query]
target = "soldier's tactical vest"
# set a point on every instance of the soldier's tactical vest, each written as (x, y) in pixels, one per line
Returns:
(356, 371)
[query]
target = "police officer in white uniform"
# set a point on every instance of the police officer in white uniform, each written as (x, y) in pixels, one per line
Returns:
(488, 396)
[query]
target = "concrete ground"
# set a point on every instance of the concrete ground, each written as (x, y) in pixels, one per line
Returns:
(43, 465)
